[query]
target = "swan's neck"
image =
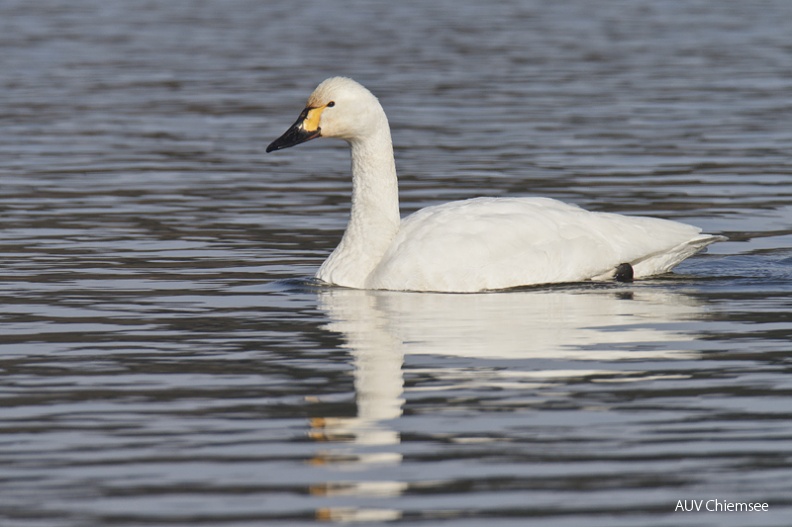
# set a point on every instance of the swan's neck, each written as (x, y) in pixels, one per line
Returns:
(374, 217)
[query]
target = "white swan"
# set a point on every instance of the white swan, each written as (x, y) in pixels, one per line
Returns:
(473, 245)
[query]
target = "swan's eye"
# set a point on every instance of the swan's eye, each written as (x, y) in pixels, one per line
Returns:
(330, 104)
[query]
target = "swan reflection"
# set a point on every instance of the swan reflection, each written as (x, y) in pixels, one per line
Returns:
(548, 336)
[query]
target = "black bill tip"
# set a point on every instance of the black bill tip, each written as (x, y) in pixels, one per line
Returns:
(296, 134)
(293, 136)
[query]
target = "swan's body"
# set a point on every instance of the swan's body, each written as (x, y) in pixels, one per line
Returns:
(473, 245)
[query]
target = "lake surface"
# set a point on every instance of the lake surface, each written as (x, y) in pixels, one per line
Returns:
(165, 360)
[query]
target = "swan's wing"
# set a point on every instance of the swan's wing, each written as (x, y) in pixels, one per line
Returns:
(489, 243)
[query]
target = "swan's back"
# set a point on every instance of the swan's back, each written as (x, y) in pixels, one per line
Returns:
(496, 243)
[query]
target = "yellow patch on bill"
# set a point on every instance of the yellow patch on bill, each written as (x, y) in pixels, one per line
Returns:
(311, 121)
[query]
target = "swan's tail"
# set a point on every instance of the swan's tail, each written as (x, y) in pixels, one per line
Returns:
(664, 262)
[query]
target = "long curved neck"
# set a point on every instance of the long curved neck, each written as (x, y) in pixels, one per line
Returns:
(375, 190)
(374, 217)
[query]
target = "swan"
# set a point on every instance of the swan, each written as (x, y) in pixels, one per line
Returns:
(474, 245)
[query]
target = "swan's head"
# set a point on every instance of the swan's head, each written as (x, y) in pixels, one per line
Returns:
(338, 107)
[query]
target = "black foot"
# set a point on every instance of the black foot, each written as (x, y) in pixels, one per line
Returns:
(624, 273)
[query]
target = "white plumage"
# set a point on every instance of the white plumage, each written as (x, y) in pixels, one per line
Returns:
(473, 245)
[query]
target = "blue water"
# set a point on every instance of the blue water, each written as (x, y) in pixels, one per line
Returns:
(166, 361)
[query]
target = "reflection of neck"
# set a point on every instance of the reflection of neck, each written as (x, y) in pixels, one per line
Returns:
(378, 384)
(374, 217)
(378, 356)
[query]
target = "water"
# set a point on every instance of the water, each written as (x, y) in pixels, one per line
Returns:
(165, 362)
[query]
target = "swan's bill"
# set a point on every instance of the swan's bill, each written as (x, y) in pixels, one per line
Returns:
(304, 129)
